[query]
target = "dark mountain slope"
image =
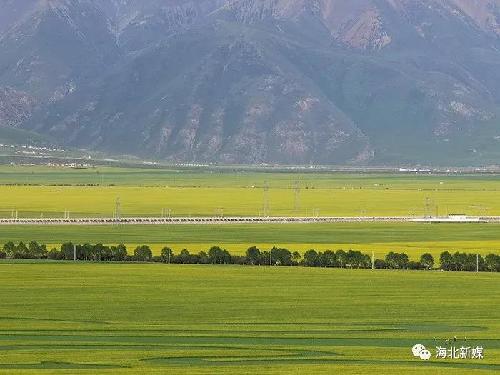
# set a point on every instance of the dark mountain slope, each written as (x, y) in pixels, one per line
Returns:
(250, 81)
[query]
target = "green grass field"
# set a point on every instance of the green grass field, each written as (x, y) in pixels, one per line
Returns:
(415, 239)
(62, 318)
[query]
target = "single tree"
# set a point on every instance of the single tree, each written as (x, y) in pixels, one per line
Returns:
(427, 261)
(446, 261)
(67, 251)
(253, 255)
(22, 251)
(9, 249)
(143, 253)
(492, 262)
(119, 253)
(296, 257)
(311, 258)
(167, 255)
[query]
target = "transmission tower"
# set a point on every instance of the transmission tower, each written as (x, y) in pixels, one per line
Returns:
(480, 209)
(118, 209)
(296, 205)
(428, 207)
(219, 212)
(265, 208)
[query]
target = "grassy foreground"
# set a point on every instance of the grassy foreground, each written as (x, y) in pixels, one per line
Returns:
(414, 239)
(157, 319)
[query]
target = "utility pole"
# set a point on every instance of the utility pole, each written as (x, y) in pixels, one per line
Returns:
(373, 260)
(477, 262)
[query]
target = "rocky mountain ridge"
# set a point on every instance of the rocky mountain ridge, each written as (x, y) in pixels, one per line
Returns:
(257, 81)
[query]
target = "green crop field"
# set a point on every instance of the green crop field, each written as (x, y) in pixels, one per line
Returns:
(156, 319)
(48, 191)
(210, 192)
(415, 239)
(66, 318)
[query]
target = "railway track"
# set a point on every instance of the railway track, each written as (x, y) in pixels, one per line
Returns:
(244, 220)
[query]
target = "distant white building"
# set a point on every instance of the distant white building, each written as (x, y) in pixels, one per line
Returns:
(457, 217)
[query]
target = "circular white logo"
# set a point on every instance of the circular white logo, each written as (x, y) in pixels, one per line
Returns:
(421, 352)
(417, 349)
(425, 355)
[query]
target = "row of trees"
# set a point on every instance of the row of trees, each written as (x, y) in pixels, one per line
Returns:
(402, 261)
(33, 250)
(254, 256)
(469, 262)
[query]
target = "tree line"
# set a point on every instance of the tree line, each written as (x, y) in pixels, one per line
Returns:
(254, 256)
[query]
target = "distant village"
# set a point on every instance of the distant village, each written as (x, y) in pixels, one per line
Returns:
(52, 156)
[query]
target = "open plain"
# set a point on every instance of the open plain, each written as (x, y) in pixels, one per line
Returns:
(87, 318)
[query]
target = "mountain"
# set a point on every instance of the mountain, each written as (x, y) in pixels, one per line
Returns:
(257, 81)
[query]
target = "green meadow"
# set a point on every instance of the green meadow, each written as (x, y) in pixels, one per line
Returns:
(413, 238)
(64, 318)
